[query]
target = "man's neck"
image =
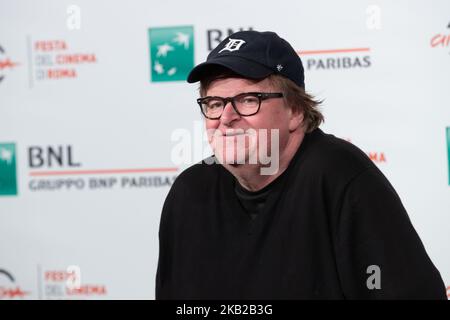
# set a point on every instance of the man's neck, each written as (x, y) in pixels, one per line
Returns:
(249, 175)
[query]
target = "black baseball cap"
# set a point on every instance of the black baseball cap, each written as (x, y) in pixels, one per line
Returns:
(253, 55)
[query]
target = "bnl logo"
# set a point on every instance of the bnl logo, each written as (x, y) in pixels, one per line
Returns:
(8, 178)
(171, 53)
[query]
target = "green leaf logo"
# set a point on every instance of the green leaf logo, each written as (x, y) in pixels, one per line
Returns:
(171, 53)
(8, 179)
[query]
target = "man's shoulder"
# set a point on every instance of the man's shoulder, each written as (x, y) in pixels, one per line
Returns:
(331, 154)
(198, 175)
(192, 188)
(334, 146)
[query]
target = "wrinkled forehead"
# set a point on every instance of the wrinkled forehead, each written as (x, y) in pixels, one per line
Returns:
(231, 86)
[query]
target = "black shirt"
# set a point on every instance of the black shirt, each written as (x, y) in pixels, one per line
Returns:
(328, 219)
(253, 201)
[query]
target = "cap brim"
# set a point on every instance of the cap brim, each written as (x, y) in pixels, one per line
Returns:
(241, 66)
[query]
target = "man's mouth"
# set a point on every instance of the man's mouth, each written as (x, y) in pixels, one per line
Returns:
(233, 134)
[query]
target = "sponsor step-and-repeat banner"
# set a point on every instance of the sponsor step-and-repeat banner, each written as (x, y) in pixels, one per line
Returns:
(97, 121)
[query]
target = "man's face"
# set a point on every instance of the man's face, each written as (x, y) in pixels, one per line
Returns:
(237, 139)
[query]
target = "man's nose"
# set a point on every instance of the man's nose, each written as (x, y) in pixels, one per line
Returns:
(229, 114)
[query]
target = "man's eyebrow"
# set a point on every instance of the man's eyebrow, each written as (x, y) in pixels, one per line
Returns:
(246, 91)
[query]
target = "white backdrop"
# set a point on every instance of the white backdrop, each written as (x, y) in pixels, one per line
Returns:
(86, 125)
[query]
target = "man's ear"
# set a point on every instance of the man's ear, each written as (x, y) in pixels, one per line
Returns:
(296, 119)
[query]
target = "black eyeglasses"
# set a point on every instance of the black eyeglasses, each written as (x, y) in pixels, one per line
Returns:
(245, 104)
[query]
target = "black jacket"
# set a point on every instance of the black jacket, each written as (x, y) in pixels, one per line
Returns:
(329, 225)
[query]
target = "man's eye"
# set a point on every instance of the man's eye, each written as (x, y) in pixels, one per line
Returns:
(249, 100)
(214, 105)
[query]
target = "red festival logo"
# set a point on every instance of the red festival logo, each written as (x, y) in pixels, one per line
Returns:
(5, 63)
(440, 40)
(53, 60)
(11, 292)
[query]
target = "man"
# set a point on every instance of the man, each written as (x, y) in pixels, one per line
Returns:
(322, 223)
